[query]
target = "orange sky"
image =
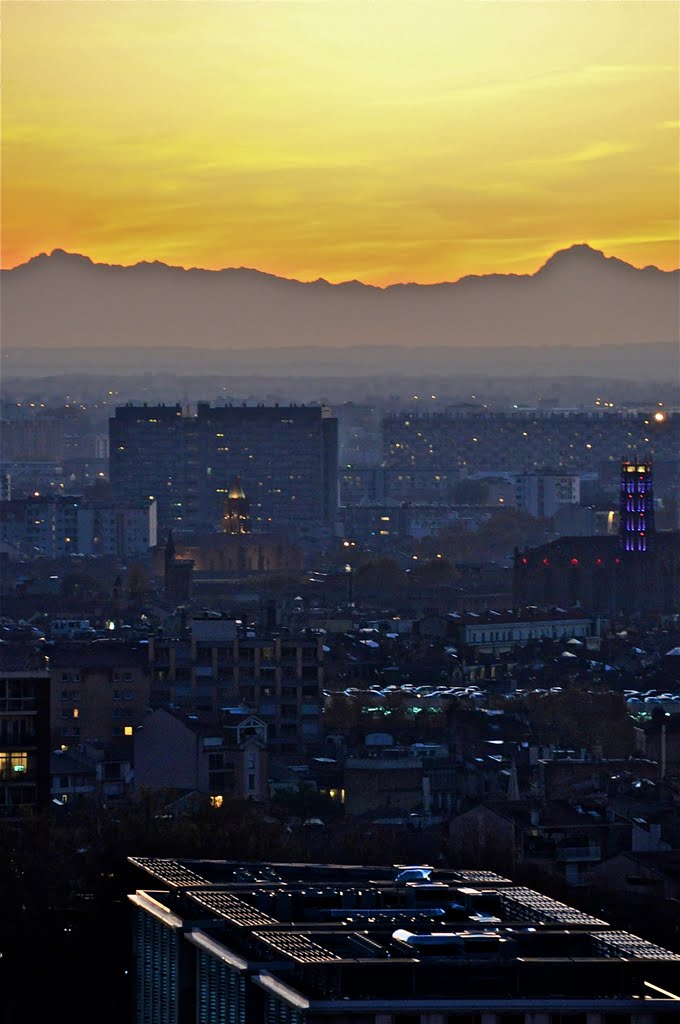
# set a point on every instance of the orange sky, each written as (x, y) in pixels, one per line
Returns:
(383, 141)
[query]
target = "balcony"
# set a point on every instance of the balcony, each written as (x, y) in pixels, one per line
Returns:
(579, 854)
(21, 739)
(204, 672)
(14, 705)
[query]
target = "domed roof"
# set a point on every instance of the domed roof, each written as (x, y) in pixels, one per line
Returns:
(236, 490)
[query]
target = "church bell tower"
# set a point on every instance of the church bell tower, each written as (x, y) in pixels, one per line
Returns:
(636, 505)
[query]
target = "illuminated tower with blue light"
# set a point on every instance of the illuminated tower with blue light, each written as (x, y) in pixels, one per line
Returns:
(636, 505)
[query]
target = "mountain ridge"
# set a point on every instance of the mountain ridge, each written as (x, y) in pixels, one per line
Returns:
(558, 257)
(578, 297)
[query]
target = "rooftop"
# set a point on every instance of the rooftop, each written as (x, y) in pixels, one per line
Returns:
(403, 935)
(531, 613)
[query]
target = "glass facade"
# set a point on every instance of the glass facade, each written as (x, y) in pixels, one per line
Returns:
(156, 970)
(220, 992)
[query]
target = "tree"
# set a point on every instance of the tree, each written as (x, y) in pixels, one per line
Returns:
(581, 718)
(381, 576)
(494, 541)
(341, 714)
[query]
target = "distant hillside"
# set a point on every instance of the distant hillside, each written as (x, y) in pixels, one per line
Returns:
(578, 298)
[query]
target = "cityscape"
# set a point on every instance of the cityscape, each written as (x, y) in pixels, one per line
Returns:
(339, 573)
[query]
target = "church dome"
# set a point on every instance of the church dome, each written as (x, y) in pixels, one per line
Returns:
(236, 490)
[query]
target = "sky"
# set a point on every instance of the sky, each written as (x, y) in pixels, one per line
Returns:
(383, 141)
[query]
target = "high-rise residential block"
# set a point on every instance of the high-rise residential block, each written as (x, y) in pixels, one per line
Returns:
(285, 458)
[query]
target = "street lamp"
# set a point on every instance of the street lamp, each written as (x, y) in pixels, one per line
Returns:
(350, 574)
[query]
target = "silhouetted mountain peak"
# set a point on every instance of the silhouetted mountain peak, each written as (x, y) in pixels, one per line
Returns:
(583, 258)
(579, 296)
(61, 256)
(581, 255)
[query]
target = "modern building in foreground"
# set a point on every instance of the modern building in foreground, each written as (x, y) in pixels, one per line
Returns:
(244, 943)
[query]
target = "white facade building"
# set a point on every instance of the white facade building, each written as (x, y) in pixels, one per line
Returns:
(54, 527)
(541, 494)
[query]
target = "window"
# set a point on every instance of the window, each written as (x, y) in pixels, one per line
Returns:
(13, 764)
(128, 730)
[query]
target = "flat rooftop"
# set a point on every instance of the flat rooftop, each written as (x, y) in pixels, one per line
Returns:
(324, 932)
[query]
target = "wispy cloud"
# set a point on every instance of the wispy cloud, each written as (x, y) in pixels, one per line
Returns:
(588, 154)
(598, 151)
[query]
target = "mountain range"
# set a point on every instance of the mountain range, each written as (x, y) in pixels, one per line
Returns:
(579, 297)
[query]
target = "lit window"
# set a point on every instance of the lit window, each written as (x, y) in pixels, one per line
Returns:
(11, 763)
(128, 730)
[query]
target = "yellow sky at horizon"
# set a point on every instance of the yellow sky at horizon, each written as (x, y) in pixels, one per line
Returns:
(379, 141)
